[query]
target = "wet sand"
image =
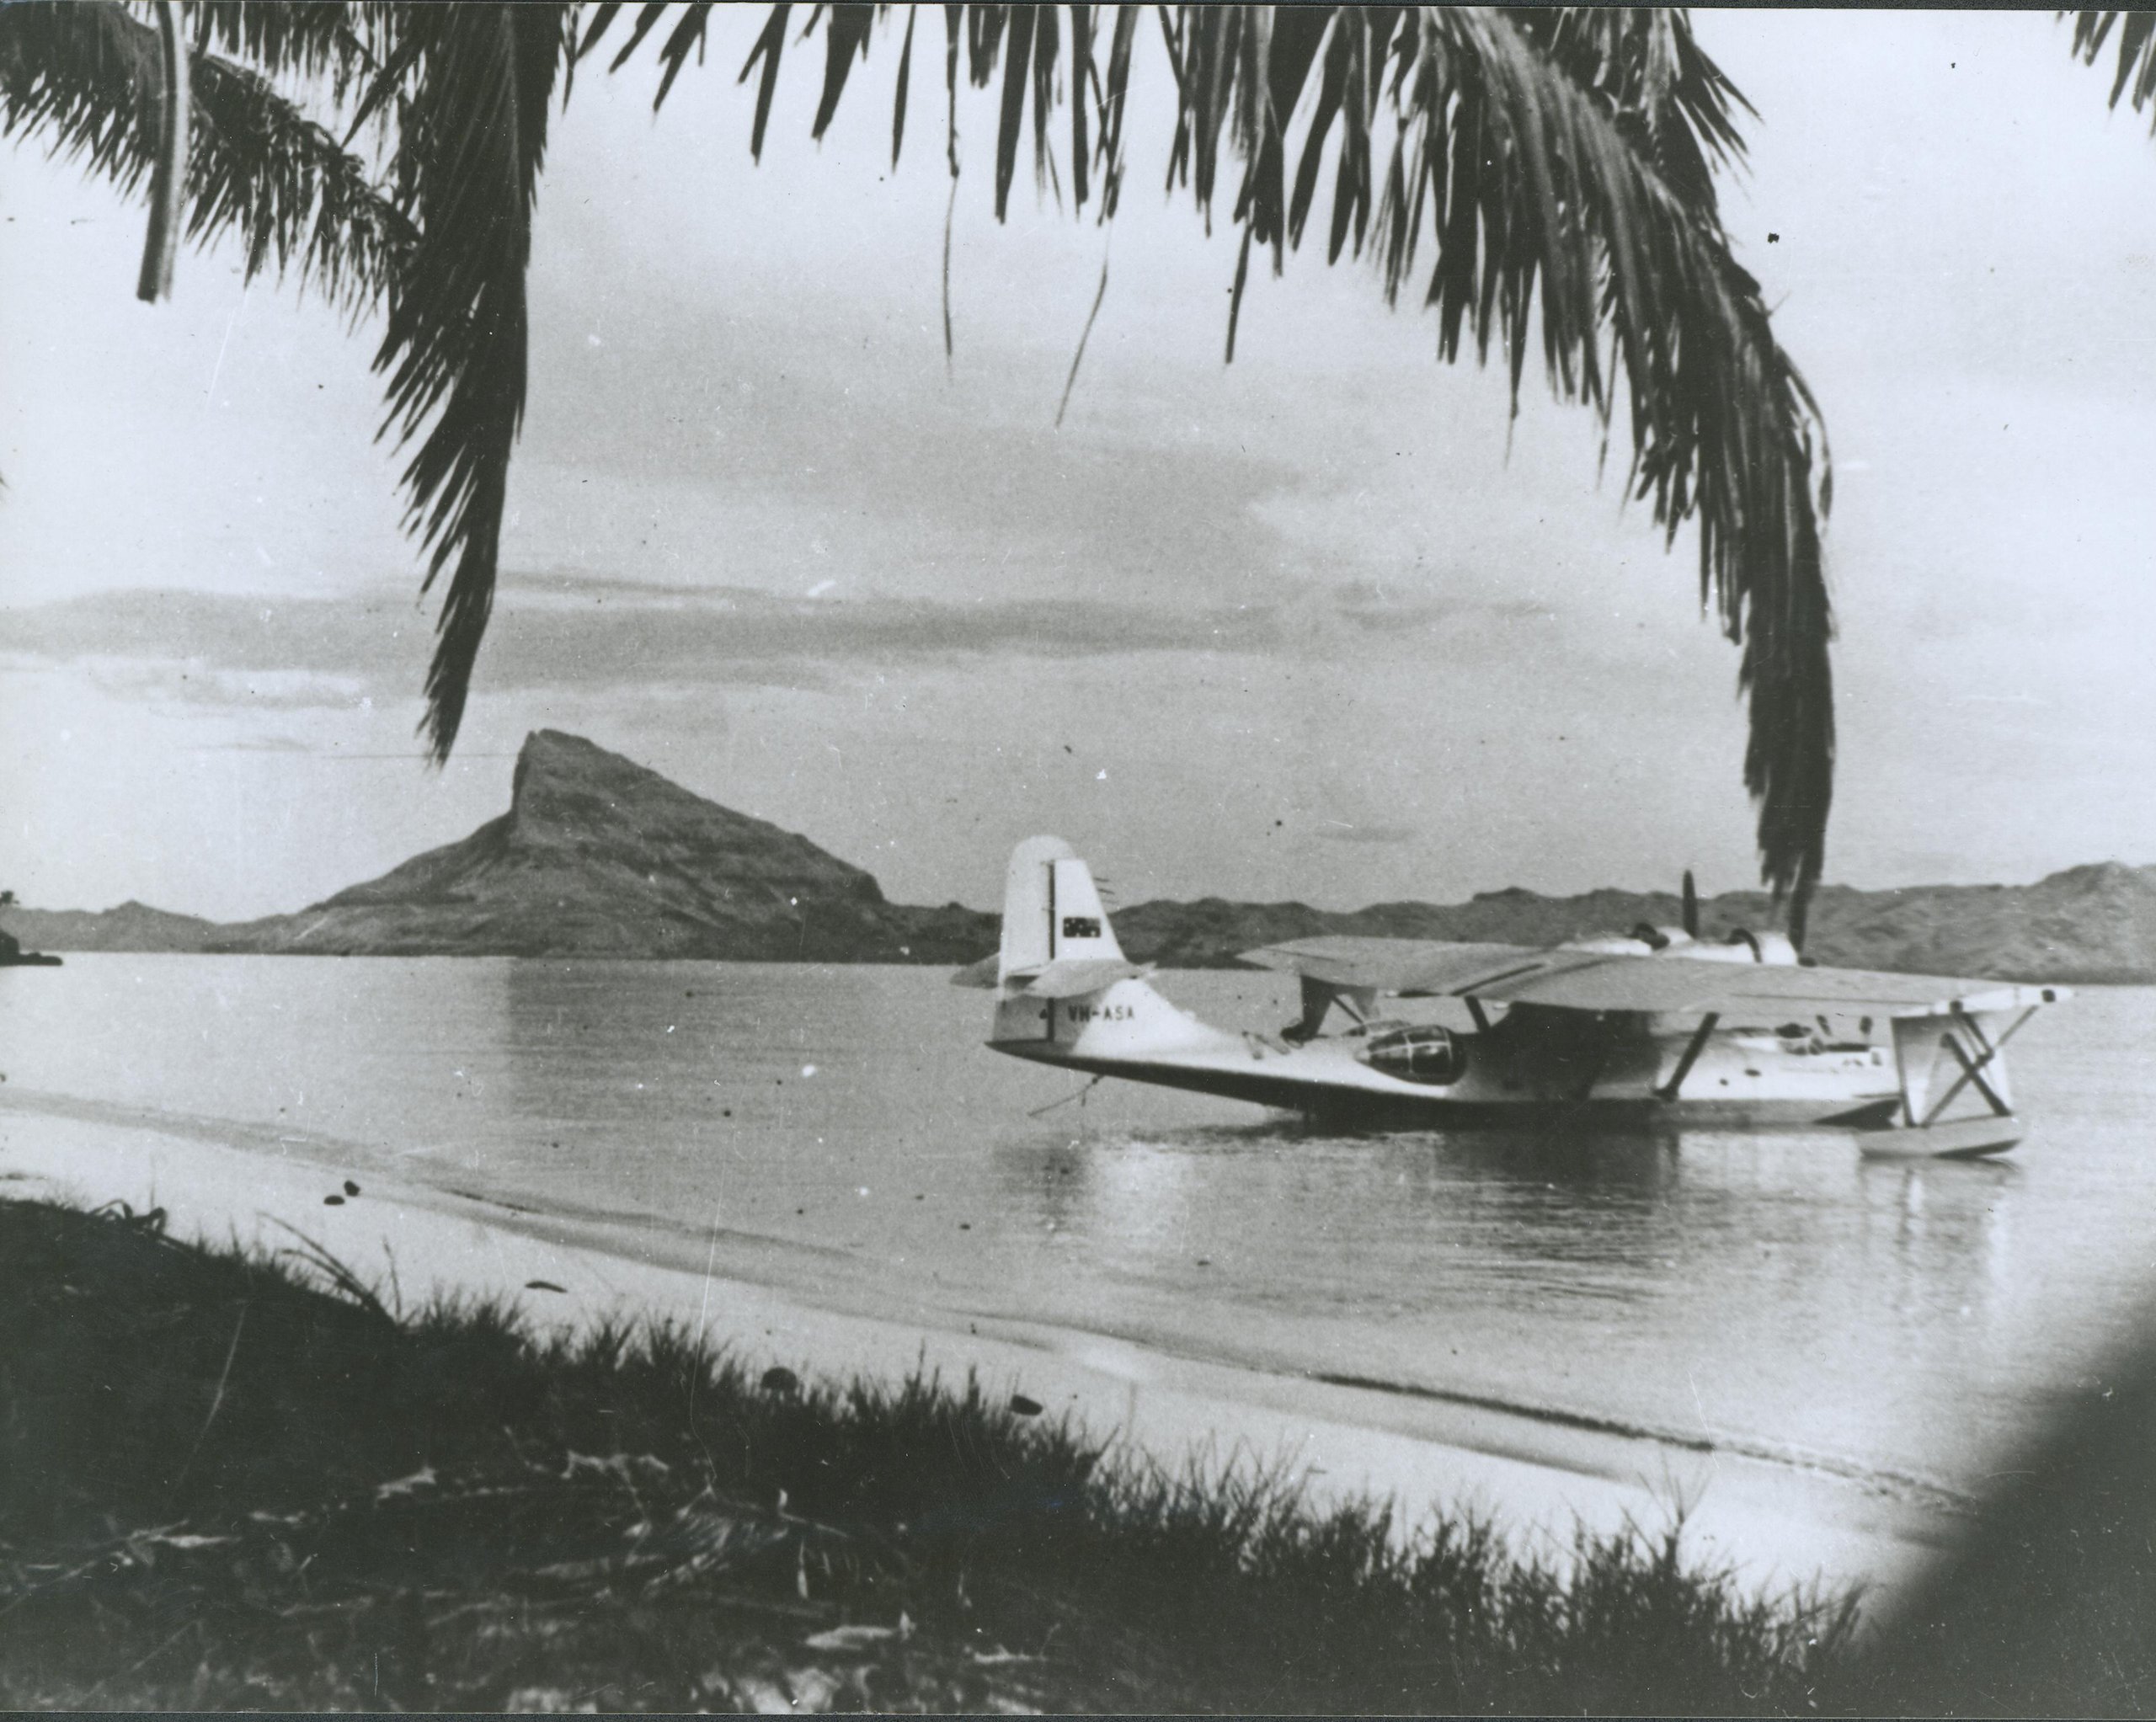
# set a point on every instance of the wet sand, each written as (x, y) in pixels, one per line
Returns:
(1538, 1477)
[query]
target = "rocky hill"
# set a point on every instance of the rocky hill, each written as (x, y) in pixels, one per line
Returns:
(598, 856)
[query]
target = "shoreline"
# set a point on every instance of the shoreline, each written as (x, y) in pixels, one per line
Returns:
(1777, 1520)
(2123, 977)
(441, 1509)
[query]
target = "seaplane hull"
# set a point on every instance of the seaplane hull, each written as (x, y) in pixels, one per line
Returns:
(1359, 1107)
(1331, 1096)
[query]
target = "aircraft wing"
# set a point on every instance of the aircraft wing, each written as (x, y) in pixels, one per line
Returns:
(1597, 980)
(1408, 966)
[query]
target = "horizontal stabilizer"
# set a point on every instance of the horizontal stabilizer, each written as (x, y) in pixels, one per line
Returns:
(1074, 977)
(981, 975)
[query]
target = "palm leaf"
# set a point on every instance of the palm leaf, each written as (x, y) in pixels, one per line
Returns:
(1669, 98)
(686, 38)
(899, 100)
(79, 76)
(283, 185)
(845, 40)
(1010, 132)
(321, 42)
(469, 156)
(769, 46)
(1110, 96)
(2137, 52)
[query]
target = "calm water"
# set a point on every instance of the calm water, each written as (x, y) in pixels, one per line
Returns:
(845, 1129)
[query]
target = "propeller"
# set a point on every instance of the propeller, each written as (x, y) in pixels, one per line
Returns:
(1691, 915)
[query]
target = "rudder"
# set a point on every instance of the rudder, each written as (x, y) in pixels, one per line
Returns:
(1052, 910)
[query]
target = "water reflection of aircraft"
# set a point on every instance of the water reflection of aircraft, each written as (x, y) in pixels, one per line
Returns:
(1655, 1025)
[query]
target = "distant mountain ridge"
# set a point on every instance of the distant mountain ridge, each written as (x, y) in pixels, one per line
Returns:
(598, 856)
(131, 927)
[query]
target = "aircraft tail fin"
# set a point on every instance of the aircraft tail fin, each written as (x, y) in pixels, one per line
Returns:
(1065, 992)
(1052, 912)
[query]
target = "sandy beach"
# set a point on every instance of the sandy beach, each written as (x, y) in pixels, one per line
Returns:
(1538, 1478)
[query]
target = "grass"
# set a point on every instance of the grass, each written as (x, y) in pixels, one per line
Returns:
(228, 1480)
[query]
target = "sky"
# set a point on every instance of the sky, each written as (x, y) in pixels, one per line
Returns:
(1319, 624)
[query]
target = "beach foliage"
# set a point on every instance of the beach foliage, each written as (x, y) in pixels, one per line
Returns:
(230, 1480)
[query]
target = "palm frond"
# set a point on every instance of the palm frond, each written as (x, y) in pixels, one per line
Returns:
(82, 77)
(899, 100)
(845, 40)
(1724, 431)
(2137, 54)
(1670, 99)
(283, 185)
(470, 151)
(1563, 154)
(323, 41)
(1110, 95)
(686, 38)
(769, 46)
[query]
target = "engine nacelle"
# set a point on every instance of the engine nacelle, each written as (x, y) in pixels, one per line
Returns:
(1422, 1053)
(1764, 947)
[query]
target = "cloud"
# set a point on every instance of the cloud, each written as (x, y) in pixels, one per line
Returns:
(117, 633)
(263, 744)
(1375, 608)
(1334, 832)
(572, 631)
(722, 634)
(193, 681)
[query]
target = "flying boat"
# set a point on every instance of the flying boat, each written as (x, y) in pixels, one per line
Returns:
(1658, 1026)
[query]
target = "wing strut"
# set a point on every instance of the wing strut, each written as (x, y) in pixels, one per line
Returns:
(1972, 1068)
(1319, 997)
(1697, 1045)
